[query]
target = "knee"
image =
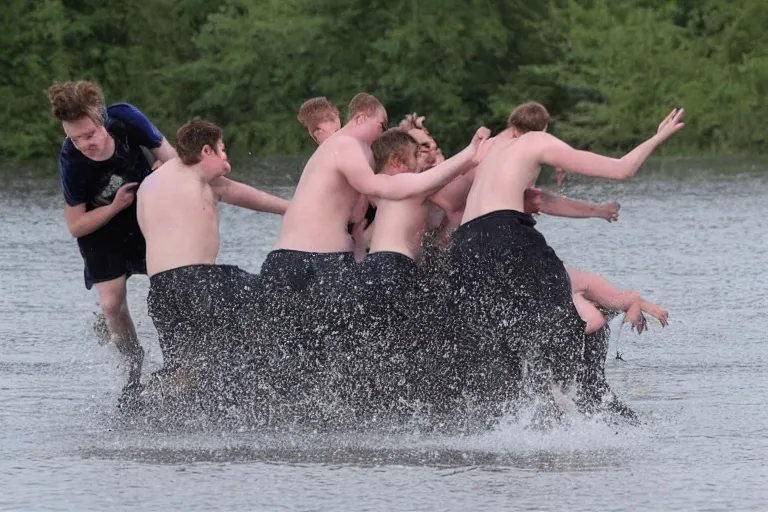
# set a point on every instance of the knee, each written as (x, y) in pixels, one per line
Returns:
(112, 304)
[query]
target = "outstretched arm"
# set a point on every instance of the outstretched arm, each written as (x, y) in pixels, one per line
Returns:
(599, 290)
(560, 206)
(554, 152)
(245, 196)
(353, 164)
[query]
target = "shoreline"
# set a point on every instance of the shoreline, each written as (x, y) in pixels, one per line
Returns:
(285, 170)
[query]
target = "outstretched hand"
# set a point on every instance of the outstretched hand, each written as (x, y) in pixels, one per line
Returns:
(640, 323)
(609, 211)
(671, 124)
(663, 317)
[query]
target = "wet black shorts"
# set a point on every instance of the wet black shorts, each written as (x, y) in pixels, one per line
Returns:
(199, 310)
(293, 282)
(124, 256)
(386, 284)
(361, 325)
(513, 295)
(296, 270)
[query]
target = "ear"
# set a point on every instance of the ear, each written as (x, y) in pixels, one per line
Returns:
(207, 150)
(393, 162)
(361, 118)
(396, 162)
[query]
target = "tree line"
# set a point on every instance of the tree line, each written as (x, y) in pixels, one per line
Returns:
(608, 70)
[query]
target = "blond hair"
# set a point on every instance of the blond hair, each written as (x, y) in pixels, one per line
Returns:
(315, 111)
(363, 103)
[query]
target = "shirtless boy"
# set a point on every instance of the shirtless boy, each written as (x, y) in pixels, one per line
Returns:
(321, 118)
(194, 303)
(506, 274)
(453, 196)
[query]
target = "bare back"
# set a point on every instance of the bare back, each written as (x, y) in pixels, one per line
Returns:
(322, 205)
(177, 213)
(510, 166)
(400, 226)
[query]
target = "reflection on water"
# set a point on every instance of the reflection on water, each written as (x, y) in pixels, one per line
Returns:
(690, 239)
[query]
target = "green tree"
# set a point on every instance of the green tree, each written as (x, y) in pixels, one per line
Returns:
(30, 48)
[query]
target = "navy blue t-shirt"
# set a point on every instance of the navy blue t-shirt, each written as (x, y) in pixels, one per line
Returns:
(85, 181)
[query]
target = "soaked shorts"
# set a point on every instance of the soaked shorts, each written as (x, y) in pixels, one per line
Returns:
(512, 305)
(199, 311)
(363, 326)
(296, 270)
(291, 315)
(288, 279)
(386, 287)
(108, 260)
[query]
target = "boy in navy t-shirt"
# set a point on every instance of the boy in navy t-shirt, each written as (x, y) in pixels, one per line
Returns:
(102, 161)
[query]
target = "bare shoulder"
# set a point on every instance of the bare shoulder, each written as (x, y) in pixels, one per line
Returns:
(344, 143)
(147, 184)
(162, 177)
(542, 146)
(537, 139)
(347, 152)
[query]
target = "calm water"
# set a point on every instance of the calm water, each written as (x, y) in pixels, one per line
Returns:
(696, 245)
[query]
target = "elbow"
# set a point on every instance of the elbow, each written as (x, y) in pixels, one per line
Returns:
(626, 170)
(75, 231)
(77, 228)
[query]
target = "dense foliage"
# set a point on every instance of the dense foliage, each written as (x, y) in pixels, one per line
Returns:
(608, 70)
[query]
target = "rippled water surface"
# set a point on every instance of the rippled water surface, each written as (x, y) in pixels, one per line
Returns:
(696, 245)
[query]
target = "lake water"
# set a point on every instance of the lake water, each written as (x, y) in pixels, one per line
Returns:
(693, 242)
